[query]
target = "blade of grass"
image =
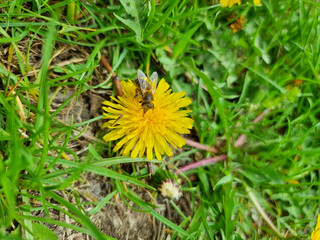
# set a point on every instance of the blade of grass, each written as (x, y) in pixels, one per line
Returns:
(43, 103)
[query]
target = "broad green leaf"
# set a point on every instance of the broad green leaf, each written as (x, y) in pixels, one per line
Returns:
(224, 180)
(134, 9)
(41, 232)
(131, 24)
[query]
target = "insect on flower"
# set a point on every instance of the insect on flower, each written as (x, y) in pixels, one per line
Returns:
(146, 88)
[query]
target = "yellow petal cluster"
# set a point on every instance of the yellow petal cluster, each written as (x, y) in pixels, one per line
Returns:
(315, 235)
(230, 3)
(257, 2)
(148, 132)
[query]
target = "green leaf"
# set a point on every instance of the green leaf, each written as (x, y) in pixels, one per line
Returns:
(184, 41)
(78, 216)
(158, 216)
(41, 232)
(134, 9)
(131, 24)
(224, 180)
(254, 175)
(215, 94)
(264, 76)
(91, 167)
(163, 18)
(271, 174)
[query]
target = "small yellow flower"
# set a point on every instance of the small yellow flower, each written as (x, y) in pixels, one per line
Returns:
(151, 131)
(257, 2)
(315, 235)
(229, 3)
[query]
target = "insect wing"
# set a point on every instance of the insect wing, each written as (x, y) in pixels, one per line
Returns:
(142, 78)
(154, 81)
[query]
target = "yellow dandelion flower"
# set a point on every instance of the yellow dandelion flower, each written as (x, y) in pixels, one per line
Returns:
(229, 3)
(257, 2)
(151, 130)
(315, 235)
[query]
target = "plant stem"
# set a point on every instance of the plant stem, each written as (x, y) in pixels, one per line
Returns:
(200, 146)
(202, 163)
(115, 78)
